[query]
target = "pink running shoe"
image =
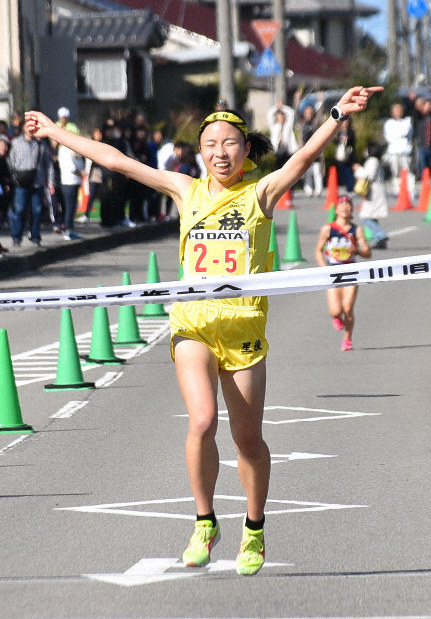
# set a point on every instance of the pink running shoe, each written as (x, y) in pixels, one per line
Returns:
(346, 344)
(337, 323)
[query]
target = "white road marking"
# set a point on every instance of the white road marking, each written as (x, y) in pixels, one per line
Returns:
(224, 415)
(14, 443)
(40, 364)
(332, 414)
(282, 458)
(149, 571)
(285, 507)
(69, 409)
(108, 379)
(402, 231)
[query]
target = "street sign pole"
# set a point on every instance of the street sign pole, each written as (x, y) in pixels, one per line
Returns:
(280, 53)
(226, 64)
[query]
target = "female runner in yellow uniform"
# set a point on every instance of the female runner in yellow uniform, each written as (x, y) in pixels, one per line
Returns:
(225, 228)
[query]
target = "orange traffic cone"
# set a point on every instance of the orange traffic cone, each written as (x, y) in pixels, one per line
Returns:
(403, 202)
(332, 188)
(84, 195)
(285, 202)
(424, 196)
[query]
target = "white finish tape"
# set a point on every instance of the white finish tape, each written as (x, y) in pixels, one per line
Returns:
(262, 284)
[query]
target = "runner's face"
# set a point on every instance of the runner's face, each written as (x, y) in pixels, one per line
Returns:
(223, 149)
(345, 209)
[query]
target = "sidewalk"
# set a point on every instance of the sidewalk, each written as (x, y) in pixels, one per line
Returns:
(28, 256)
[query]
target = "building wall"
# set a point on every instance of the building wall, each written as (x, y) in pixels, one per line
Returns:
(58, 76)
(9, 57)
(335, 38)
(175, 84)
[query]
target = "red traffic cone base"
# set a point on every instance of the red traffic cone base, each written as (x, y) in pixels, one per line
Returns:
(424, 197)
(285, 202)
(403, 202)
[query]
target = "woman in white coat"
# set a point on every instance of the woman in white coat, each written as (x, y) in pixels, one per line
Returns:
(375, 204)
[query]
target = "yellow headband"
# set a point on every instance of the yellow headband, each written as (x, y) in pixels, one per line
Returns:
(228, 117)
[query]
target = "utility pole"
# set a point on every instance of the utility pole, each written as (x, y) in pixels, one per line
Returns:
(353, 28)
(419, 70)
(235, 20)
(427, 47)
(280, 50)
(392, 37)
(226, 64)
(406, 73)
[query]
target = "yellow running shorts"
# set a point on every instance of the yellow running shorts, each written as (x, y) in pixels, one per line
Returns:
(235, 335)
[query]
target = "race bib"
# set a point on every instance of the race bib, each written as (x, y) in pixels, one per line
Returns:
(217, 252)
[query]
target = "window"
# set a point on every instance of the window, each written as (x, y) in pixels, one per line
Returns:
(103, 78)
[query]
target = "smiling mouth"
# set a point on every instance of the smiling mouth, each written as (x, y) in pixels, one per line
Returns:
(222, 165)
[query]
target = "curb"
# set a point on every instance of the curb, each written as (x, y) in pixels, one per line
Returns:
(11, 266)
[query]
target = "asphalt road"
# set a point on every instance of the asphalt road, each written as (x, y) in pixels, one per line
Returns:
(95, 504)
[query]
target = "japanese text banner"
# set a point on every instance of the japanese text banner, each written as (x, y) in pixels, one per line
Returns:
(262, 284)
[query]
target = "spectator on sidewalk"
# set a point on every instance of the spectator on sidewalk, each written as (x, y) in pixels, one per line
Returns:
(71, 167)
(164, 149)
(313, 177)
(6, 184)
(31, 166)
(14, 128)
(113, 191)
(93, 173)
(398, 134)
(375, 203)
(188, 162)
(345, 156)
(281, 120)
(423, 138)
(58, 208)
(139, 194)
(64, 121)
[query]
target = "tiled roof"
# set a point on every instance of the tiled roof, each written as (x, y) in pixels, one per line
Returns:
(114, 29)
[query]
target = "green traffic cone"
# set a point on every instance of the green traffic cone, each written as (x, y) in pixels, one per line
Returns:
(10, 409)
(102, 349)
(331, 215)
(69, 371)
(427, 218)
(293, 247)
(273, 247)
(180, 272)
(368, 234)
(153, 310)
(128, 329)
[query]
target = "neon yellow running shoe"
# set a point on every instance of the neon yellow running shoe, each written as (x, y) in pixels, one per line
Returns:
(251, 555)
(198, 552)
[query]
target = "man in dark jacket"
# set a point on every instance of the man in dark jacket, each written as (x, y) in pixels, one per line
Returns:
(31, 166)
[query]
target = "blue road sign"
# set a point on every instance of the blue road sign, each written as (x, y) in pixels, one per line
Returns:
(268, 65)
(417, 8)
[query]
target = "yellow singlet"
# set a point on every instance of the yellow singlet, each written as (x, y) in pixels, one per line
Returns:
(226, 235)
